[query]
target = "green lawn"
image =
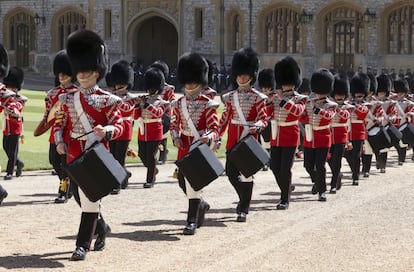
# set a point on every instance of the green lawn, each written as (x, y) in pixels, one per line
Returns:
(34, 152)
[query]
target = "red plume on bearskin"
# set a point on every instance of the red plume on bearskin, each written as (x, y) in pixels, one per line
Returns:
(245, 62)
(122, 74)
(87, 52)
(360, 83)
(15, 78)
(192, 68)
(266, 78)
(154, 80)
(322, 81)
(287, 72)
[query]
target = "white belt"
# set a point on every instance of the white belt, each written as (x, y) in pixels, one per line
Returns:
(129, 118)
(238, 122)
(320, 128)
(339, 125)
(287, 124)
(146, 121)
(357, 121)
(190, 133)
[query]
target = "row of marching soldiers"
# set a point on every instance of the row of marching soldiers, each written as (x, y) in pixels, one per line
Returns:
(86, 113)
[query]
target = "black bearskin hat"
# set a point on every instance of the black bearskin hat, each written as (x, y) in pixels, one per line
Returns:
(304, 87)
(245, 62)
(287, 72)
(4, 62)
(384, 84)
(61, 64)
(322, 81)
(192, 68)
(266, 78)
(373, 84)
(122, 74)
(341, 86)
(87, 52)
(154, 80)
(401, 86)
(159, 64)
(15, 78)
(360, 83)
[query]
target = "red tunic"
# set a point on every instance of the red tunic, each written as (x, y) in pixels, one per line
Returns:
(339, 124)
(12, 122)
(149, 118)
(404, 109)
(100, 108)
(127, 108)
(318, 118)
(253, 106)
(51, 99)
(358, 128)
(285, 115)
(202, 111)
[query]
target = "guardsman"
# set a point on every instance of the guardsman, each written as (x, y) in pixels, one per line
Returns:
(149, 112)
(87, 110)
(286, 108)
(13, 129)
(122, 80)
(339, 130)
(317, 117)
(194, 119)
(244, 113)
(359, 87)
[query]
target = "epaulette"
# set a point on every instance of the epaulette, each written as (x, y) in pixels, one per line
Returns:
(21, 97)
(164, 102)
(300, 97)
(63, 97)
(226, 97)
(113, 99)
(174, 103)
(212, 104)
(261, 95)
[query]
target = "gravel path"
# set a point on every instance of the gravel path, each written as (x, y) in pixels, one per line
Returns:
(363, 228)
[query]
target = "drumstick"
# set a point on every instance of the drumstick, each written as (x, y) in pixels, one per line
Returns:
(83, 135)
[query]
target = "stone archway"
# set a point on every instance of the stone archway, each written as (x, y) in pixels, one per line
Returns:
(155, 39)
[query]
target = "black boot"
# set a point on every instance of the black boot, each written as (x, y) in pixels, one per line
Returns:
(203, 208)
(246, 189)
(192, 216)
(85, 235)
(3, 194)
(102, 230)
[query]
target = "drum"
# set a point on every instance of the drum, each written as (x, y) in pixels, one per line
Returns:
(200, 167)
(378, 138)
(248, 156)
(96, 172)
(394, 133)
(407, 131)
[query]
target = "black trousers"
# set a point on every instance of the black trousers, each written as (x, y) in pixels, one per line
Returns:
(57, 161)
(119, 149)
(281, 162)
(353, 158)
(314, 162)
(381, 160)
(147, 151)
(11, 147)
(244, 189)
(402, 153)
(335, 162)
(366, 163)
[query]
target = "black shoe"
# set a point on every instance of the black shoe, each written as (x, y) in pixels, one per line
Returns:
(8, 177)
(19, 168)
(115, 191)
(100, 240)
(241, 217)
(339, 181)
(292, 187)
(3, 195)
(400, 163)
(265, 168)
(190, 229)
(314, 189)
(355, 182)
(202, 209)
(79, 254)
(322, 197)
(366, 175)
(61, 199)
(148, 185)
(282, 206)
(125, 183)
(382, 170)
(332, 191)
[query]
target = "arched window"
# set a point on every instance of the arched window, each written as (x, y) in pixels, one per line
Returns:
(236, 36)
(401, 31)
(68, 23)
(282, 28)
(22, 37)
